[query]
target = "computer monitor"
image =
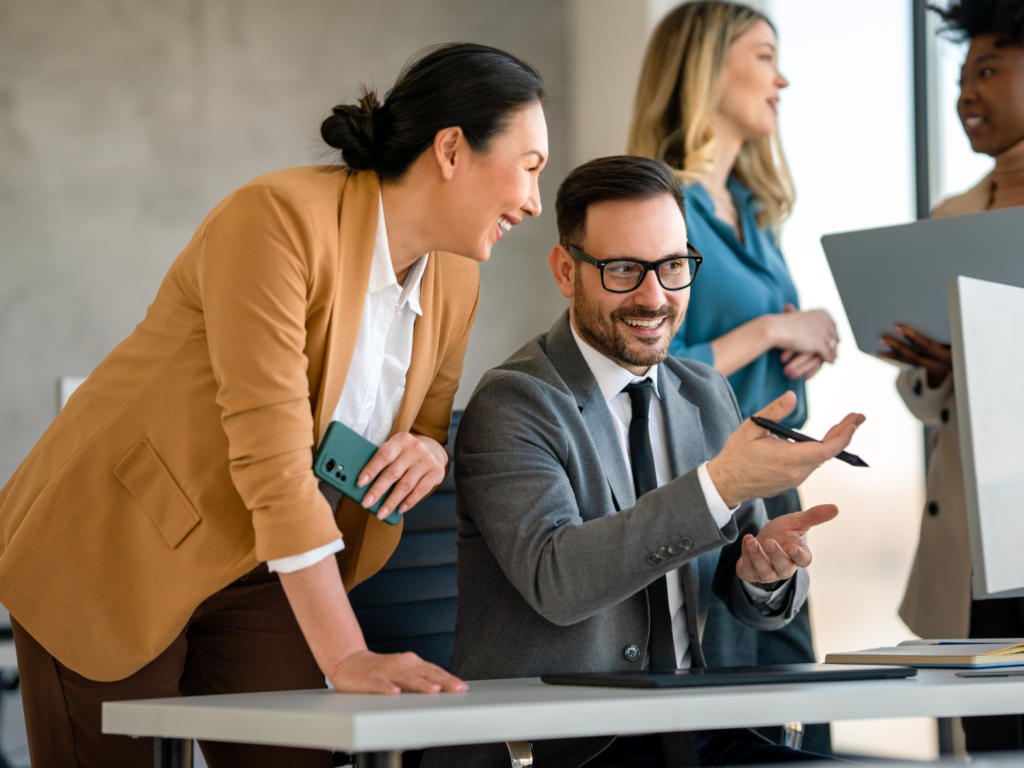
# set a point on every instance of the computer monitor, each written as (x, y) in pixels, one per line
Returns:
(986, 321)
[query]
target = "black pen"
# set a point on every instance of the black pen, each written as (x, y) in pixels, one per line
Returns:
(781, 431)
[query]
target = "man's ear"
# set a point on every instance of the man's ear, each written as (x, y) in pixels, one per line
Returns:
(562, 265)
(448, 146)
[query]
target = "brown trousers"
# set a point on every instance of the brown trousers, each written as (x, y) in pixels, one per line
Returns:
(240, 640)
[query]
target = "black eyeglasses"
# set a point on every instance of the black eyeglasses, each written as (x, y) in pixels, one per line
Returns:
(625, 275)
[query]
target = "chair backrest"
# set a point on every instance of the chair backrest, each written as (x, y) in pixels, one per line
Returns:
(410, 604)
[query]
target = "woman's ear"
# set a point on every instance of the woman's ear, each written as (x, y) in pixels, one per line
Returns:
(562, 265)
(448, 145)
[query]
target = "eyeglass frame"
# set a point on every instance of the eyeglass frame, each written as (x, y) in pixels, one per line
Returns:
(648, 266)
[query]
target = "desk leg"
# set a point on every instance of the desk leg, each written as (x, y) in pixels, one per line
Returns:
(379, 760)
(172, 753)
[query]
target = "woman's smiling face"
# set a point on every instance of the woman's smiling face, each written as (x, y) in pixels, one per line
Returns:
(991, 103)
(496, 188)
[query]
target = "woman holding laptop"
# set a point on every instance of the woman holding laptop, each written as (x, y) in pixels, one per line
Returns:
(167, 536)
(938, 601)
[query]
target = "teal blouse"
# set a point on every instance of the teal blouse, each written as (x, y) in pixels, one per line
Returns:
(737, 282)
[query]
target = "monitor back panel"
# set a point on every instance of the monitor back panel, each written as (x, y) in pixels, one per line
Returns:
(988, 370)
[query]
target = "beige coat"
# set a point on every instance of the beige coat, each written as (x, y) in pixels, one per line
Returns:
(186, 458)
(937, 602)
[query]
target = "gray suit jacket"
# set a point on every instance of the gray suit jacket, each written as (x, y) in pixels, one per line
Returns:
(554, 549)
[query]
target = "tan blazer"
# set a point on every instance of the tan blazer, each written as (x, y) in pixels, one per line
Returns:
(185, 459)
(937, 602)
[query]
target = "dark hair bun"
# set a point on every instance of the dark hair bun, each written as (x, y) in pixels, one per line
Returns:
(474, 87)
(356, 130)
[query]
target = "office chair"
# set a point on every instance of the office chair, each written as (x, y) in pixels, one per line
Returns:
(410, 604)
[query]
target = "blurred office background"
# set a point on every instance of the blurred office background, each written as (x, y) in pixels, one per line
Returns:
(122, 122)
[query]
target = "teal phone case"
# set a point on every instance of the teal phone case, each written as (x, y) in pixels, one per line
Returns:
(339, 460)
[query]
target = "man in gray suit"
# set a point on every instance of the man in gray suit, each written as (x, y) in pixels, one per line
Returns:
(606, 488)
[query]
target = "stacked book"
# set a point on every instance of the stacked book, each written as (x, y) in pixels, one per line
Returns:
(970, 654)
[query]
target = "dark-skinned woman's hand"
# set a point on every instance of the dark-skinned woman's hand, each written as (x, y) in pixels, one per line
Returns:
(916, 349)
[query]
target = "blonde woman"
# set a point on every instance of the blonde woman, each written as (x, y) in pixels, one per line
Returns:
(706, 105)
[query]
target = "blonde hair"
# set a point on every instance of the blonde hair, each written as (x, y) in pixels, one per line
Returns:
(678, 94)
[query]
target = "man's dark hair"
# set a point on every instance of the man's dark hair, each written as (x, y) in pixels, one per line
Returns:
(966, 19)
(622, 177)
(475, 87)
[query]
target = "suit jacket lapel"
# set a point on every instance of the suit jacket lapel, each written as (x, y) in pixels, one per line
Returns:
(684, 434)
(565, 356)
(357, 233)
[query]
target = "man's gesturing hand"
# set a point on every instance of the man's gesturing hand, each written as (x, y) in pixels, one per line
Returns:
(413, 464)
(781, 547)
(755, 464)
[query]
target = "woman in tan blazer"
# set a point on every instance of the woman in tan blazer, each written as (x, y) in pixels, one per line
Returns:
(938, 601)
(136, 535)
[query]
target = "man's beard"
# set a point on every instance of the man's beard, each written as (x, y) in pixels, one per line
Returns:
(606, 334)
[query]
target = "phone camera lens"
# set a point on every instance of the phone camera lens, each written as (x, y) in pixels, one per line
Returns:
(343, 478)
(330, 465)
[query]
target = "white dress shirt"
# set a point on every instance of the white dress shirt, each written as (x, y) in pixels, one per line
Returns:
(612, 378)
(376, 377)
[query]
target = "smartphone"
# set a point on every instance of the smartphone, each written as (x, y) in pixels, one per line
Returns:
(340, 458)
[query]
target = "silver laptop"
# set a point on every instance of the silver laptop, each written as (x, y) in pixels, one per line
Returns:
(899, 274)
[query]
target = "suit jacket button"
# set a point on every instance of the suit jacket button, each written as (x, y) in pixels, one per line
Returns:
(686, 544)
(933, 508)
(918, 387)
(674, 549)
(632, 653)
(663, 552)
(945, 415)
(653, 559)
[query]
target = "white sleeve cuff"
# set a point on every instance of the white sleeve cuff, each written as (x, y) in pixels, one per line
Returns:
(716, 505)
(771, 600)
(306, 559)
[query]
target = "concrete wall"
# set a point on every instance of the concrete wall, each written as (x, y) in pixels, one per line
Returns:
(123, 122)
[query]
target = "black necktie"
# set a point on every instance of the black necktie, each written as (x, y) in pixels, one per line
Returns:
(641, 456)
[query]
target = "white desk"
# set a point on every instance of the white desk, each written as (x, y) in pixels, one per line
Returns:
(517, 710)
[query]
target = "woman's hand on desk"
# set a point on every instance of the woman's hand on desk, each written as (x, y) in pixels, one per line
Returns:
(325, 616)
(413, 464)
(392, 673)
(916, 349)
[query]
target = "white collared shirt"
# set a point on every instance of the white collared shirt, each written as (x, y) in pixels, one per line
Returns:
(612, 378)
(376, 377)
